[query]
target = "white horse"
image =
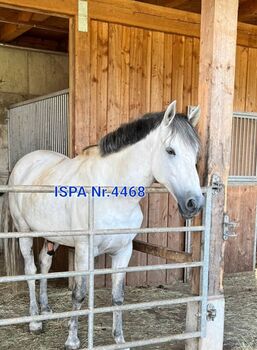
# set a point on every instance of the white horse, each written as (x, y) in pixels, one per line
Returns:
(161, 146)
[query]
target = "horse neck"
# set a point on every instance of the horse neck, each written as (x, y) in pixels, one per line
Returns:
(133, 164)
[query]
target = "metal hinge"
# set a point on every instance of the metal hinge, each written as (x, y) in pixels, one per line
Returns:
(82, 15)
(228, 227)
(216, 184)
(211, 312)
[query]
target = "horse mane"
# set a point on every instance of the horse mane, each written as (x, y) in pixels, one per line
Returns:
(132, 132)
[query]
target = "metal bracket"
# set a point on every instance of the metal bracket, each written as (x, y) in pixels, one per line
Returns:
(228, 226)
(211, 312)
(82, 15)
(216, 184)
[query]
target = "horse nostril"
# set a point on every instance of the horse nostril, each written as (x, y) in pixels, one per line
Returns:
(191, 204)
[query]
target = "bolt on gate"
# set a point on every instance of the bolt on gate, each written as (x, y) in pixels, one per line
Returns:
(91, 310)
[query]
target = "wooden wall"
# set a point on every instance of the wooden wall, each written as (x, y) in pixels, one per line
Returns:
(134, 71)
(239, 250)
(242, 199)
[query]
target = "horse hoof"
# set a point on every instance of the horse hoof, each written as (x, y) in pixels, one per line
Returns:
(45, 310)
(35, 327)
(72, 345)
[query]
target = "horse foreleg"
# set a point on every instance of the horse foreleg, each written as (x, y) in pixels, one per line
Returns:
(26, 246)
(119, 260)
(45, 264)
(78, 296)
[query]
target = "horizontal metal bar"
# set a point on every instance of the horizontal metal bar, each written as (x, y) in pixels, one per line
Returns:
(147, 305)
(128, 307)
(245, 115)
(40, 98)
(53, 275)
(74, 233)
(50, 189)
(152, 341)
(242, 179)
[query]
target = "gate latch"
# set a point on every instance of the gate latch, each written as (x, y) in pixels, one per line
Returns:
(216, 184)
(228, 227)
(211, 312)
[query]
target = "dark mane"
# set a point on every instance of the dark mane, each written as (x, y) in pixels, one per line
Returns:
(130, 133)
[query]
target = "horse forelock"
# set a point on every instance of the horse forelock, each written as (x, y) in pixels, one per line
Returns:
(130, 133)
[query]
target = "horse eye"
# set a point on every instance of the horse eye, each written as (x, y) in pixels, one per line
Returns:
(171, 151)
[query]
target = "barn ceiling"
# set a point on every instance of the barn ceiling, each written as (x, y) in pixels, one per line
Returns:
(33, 30)
(247, 8)
(45, 32)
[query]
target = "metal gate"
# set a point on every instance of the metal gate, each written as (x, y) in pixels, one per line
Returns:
(203, 264)
(40, 123)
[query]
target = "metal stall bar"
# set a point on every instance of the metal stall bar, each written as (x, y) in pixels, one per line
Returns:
(51, 188)
(100, 310)
(100, 232)
(205, 258)
(97, 272)
(91, 290)
(152, 341)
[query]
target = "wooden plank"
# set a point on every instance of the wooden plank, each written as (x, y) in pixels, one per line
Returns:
(138, 91)
(174, 240)
(178, 50)
(118, 79)
(188, 67)
(98, 103)
(157, 202)
(241, 78)
(82, 84)
(167, 69)
(251, 94)
(99, 80)
(162, 252)
(195, 70)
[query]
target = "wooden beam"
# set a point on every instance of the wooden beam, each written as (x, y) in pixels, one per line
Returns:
(147, 16)
(58, 7)
(134, 13)
(10, 31)
(162, 252)
(247, 10)
(216, 93)
(41, 43)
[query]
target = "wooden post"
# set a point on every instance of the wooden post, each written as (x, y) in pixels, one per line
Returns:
(216, 92)
(79, 45)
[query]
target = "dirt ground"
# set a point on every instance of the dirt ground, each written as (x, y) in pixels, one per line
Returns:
(240, 324)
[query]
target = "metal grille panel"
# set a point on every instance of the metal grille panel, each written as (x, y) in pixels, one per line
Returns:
(244, 145)
(40, 123)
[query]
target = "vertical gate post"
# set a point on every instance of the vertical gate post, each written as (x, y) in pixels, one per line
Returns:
(216, 93)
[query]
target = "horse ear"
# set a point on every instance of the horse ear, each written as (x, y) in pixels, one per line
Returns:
(170, 113)
(194, 115)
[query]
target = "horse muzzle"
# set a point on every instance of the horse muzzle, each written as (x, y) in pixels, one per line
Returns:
(191, 206)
